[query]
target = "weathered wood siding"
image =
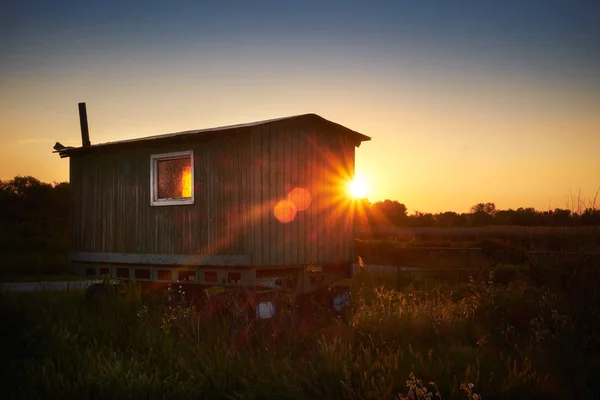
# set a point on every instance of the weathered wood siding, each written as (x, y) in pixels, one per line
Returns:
(237, 181)
(288, 157)
(111, 202)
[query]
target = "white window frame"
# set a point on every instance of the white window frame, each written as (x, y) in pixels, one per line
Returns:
(154, 158)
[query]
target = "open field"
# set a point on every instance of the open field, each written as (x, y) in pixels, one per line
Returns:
(530, 238)
(533, 336)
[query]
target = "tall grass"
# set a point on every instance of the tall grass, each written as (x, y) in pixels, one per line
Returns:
(515, 340)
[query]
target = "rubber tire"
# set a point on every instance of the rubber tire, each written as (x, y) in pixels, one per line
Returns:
(96, 293)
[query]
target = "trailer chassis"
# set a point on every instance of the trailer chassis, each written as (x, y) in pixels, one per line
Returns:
(259, 291)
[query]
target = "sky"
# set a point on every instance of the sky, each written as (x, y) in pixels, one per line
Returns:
(465, 101)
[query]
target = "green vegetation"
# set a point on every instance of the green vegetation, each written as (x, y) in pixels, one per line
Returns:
(34, 228)
(531, 336)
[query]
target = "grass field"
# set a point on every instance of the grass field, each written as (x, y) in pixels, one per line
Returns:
(533, 336)
(559, 238)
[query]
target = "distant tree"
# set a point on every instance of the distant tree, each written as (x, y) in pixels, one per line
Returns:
(526, 217)
(485, 208)
(504, 217)
(33, 215)
(561, 217)
(422, 219)
(590, 217)
(483, 214)
(390, 212)
(449, 219)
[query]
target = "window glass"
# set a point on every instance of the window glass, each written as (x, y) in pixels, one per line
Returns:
(174, 178)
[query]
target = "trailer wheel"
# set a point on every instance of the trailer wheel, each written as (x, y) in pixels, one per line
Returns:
(96, 293)
(342, 302)
(333, 301)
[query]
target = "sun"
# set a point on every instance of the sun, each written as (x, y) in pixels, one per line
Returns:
(358, 188)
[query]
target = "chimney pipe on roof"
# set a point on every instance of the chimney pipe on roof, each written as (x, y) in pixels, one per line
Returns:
(85, 134)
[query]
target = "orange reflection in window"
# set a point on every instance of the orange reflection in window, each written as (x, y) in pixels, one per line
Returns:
(284, 211)
(186, 182)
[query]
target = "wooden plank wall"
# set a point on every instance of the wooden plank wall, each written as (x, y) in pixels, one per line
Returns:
(111, 209)
(238, 182)
(287, 156)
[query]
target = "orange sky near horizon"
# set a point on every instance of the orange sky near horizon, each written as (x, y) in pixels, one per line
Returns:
(432, 157)
(449, 128)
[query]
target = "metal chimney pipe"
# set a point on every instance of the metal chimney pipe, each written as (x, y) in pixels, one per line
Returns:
(85, 134)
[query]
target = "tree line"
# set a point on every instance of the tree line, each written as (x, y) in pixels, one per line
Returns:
(394, 213)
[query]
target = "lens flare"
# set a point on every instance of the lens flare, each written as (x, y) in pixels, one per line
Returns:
(300, 198)
(284, 211)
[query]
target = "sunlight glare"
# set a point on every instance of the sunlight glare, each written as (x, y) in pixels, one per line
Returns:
(358, 188)
(186, 182)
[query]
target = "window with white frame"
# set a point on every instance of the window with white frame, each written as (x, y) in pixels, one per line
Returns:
(172, 178)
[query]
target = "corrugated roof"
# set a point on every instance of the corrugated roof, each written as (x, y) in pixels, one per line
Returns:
(208, 131)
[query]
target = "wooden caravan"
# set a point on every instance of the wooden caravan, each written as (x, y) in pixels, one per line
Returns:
(259, 204)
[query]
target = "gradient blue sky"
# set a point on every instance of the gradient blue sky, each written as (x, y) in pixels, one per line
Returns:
(466, 101)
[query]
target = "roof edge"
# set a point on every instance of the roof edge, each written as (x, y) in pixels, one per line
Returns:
(68, 151)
